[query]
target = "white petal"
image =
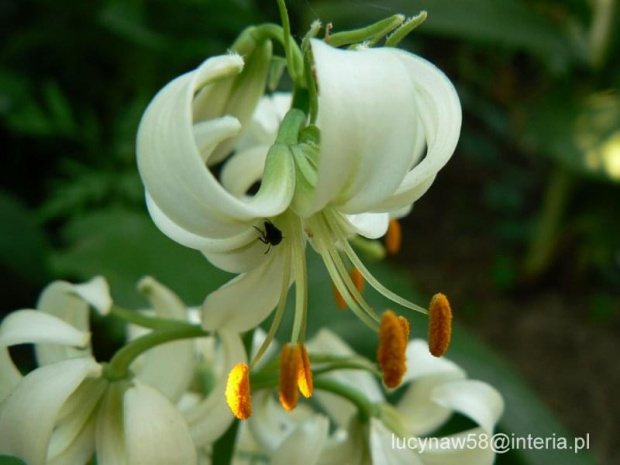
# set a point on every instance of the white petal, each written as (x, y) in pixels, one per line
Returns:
(110, 436)
(210, 418)
(245, 301)
(174, 173)
(244, 169)
(28, 415)
(169, 367)
(439, 109)
(263, 127)
(97, 293)
(383, 447)
(448, 453)
(475, 399)
(270, 424)
(10, 376)
(32, 326)
(420, 363)
(307, 441)
(367, 116)
(339, 409)
(73, 440)
(370, 225)
(64, 301)
(155, 431)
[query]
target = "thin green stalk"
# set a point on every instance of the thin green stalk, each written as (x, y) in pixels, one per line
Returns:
(366, 408)
(146, 321)
(118, 368)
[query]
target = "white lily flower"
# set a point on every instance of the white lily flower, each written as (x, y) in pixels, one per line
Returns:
(67, 409)
(435, 388)
(378, 110)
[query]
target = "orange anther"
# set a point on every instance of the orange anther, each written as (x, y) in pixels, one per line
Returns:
(393, 237)
(439, 325)
(238, 394)
(391, 353)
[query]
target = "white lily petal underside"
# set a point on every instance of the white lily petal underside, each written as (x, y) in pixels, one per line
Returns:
(169, 367)
(29, 413)
(155, 431)
(211, 417)
(367, 110)
(475, 399)
(174, 172)
(307, 441)
(245, 301)
(439, 110)
(243, 169)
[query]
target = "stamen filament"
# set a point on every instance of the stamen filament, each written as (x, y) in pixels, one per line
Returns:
(277, 319)
(301, 287)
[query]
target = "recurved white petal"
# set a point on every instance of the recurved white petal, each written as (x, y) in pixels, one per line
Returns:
(439, 110)
(370, 225)
(169, 367)
(29, 413)
(305, 443)
(10, 376)
(475, 399)
(33, 327)
(262, 128)
(96, 292)
(367, 116)
(174, 172)
(155, 431)
(245, 301)
(211, 417)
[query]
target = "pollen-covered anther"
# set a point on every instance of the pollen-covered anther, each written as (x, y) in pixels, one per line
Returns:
(393, 237)
(439, 325)
(304, 376)
(238, 394)
(391, 353)
(290, 365)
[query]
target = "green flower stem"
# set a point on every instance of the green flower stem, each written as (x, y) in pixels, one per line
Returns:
(542, 246)
(366, 408)
(405, 29)
(294, 60)
(146, 321)
(118, 368)
(253, 35)
(373, 32)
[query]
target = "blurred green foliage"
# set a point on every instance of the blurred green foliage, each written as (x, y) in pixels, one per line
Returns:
(538, 83)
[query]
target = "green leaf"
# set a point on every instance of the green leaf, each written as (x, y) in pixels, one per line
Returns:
(23, 246)
(124, 246)
(6, 460)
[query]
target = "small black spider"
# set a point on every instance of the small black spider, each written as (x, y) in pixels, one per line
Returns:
(271, 235)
